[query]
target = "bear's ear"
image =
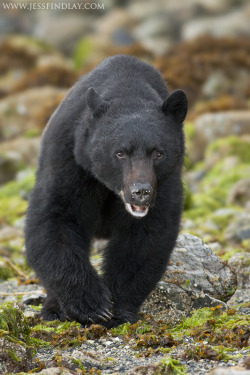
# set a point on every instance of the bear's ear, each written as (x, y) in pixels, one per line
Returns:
(97, 105)
(176, 104)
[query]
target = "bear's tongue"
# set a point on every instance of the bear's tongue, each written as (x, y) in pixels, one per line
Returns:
(136, 211)
(138, 208)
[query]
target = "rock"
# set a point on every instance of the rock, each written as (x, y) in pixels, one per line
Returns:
(241, 301)
(239, 229)
(34, 299)
(28, 111)
(211, 126)
(233, 370)
(15, 154)
(62, 32)
(159, 24)
(241, 263)
(219, 83)
(207, 301)
(54, 371)
(234, 23)
(195, 268)
(10, 163)
(195, 276)
(240, 192)
(15, 357)
(8, 233)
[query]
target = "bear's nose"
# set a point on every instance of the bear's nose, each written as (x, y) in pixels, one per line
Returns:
(141, 193)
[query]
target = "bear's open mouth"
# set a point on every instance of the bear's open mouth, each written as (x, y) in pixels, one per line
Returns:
(137, 211)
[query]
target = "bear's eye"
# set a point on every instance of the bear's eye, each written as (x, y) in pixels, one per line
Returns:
(120, 154)
(158, 155)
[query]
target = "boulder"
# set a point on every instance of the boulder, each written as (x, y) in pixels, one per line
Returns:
(194, 278)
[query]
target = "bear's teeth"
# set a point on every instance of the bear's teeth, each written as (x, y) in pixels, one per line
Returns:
(136, 211)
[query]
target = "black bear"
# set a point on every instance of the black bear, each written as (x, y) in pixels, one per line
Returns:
(110, 166)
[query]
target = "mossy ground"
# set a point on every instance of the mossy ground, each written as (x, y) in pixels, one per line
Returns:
(215, 335)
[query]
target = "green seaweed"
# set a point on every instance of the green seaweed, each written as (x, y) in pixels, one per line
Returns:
(14, 322)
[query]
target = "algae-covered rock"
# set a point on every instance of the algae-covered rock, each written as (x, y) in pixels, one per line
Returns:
(218, 198)
(211, 126)
(15, 357)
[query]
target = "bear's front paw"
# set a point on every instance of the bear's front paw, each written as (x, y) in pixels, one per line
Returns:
(94, 307)
(50, 314)
(120, 318)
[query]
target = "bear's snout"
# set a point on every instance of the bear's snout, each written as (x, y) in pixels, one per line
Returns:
(138, 197)
(141, 193)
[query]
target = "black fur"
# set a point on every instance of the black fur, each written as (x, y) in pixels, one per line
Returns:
(117, 126)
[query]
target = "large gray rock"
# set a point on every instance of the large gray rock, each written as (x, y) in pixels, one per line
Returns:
(195, 277)
(195, 268)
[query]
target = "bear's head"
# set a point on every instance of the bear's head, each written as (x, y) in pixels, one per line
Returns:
(132, 147)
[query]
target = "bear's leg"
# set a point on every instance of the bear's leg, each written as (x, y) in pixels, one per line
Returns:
(58, 251)
(51, 309)
(134, 262)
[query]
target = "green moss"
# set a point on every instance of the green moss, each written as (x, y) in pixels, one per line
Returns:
(222, 181)
(12, 208)
(217, 183)
(13, 321)
(30, 43)
(173, 365)
(79, 364)
(229, 254)
(144, 328)
(13, 356)
(16, 188)
(187, 200)
(32, 133)
(189, 130)
(201, 316)
(82, 51)
(56, 326)
(231, 145)
(6, 272)
(123, 329)
(12, 205)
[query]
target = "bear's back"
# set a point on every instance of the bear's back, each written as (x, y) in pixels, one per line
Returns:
(124, 71)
